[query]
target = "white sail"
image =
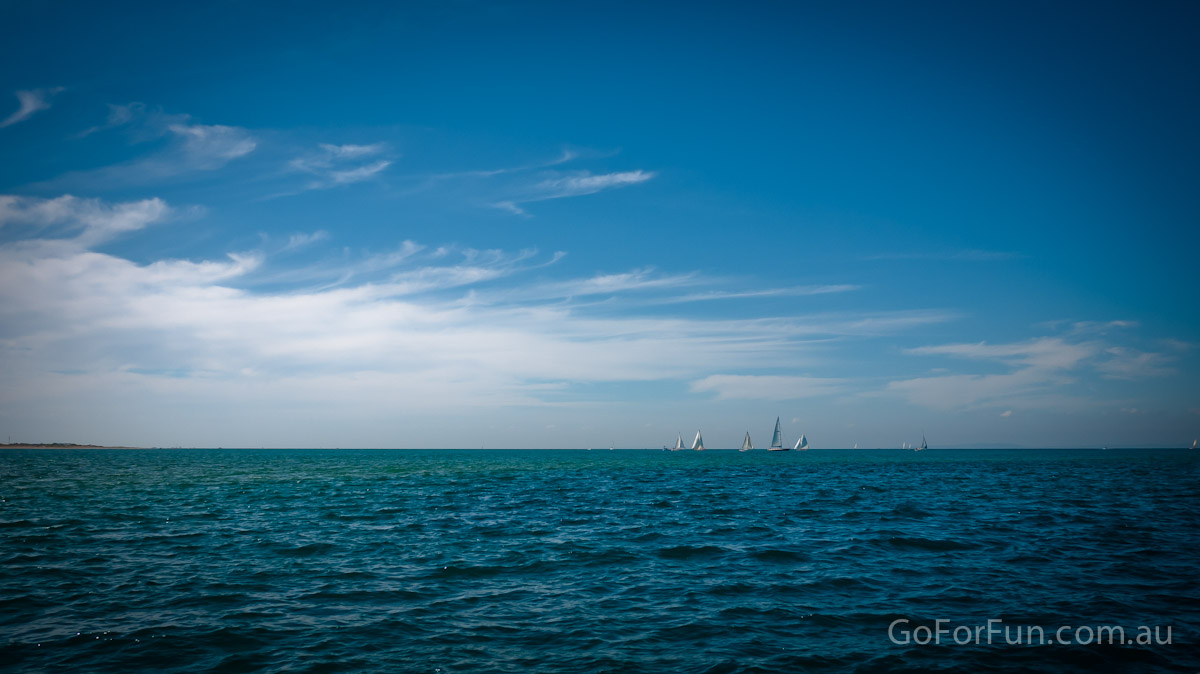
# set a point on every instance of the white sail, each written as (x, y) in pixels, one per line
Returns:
(802, 443)
(746, 444)
(856, 445)
(698, 444)
(924, 445)
(678, 443)
(777, 439)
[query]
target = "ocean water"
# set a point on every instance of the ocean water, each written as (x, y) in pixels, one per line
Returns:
(601, 561)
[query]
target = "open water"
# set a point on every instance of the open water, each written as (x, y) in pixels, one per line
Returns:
(604, 561)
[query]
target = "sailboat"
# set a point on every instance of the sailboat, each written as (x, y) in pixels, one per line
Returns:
(698, 443)
(678, 443)
(924, 445)
(856, 445)
(1193, 444)
(746, 444)
(802, 443)
(777, 440)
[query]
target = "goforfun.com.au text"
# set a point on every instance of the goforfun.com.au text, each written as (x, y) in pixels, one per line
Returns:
(994, 631)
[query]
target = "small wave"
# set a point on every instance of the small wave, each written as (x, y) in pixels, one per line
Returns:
(308, 550)
(1028, 559)
(488, 570)
(910, 510)
(352, 596)
(606, 557)
(24, 602)
(346, 517)
(16, 524)
(23, 559)
(780, 556)
(753, 614)
(732, 590)
(858, 619)
(357, 574)
(932, 544)
(837, 583)
(690, 552)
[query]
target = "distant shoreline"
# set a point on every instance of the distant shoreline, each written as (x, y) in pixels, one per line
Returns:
(67, 445)
(56, 445)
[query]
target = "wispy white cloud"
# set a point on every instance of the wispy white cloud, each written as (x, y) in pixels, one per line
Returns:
(352, 151)
(649, 284)
(957, 391)
(576, 184)
(1042, 370)
(30, 102)
(192, 146)
(92, 221)
(506, 188)
(1080, 329)
(210, 146)
(1126, 363)
(296, 241)
(636, 280)
(1043, 353)
(510, 207)
(567, 155)
(334, 165)
(402, 332)
(874, 324)
(1039, 364)
(793, 291)
(767, 387)
(477, 267)
(118, 116)
(181, 148)
(585, 183)
(353, 175)
(1178, 345)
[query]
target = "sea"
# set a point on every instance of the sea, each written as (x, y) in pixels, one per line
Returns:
(505, 561)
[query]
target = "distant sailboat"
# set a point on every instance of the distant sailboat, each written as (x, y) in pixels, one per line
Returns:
(856, 445)
(924, 445)
(802, 443)
(746, 444)
(698, 443)
(777, 440)
(904, 445)
(1193, 444)
(678, 443)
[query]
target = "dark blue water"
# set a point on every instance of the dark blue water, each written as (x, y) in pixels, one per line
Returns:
(573, 561)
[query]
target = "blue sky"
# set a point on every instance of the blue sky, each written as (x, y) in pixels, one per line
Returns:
(532, 224)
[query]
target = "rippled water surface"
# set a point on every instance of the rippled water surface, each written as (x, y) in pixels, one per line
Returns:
(574, 561)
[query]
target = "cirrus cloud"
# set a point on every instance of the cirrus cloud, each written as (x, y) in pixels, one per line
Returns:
(30, 102)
